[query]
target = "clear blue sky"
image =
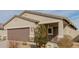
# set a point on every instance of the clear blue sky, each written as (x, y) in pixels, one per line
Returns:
(72, 14)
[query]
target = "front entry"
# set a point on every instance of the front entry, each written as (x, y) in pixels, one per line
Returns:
(52, 31)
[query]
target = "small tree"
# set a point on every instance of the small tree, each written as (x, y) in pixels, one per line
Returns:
(41, 37)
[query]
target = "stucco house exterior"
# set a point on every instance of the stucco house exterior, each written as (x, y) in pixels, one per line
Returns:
(21, 28)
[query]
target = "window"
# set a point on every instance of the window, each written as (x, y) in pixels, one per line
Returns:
(50, 31)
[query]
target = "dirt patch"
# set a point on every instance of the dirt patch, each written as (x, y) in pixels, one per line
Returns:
(65, 42)
(75, 45)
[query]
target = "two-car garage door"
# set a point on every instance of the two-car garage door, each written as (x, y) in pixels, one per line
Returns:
(18, 34)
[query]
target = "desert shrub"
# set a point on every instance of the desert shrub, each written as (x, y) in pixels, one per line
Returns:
(41, 36)
(65, 42)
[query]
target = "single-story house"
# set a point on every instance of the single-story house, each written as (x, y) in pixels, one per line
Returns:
(21, 28)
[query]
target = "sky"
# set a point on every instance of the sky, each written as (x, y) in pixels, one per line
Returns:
(73, 15)
(5, 15)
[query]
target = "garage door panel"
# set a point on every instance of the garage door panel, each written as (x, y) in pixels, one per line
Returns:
(18, 34)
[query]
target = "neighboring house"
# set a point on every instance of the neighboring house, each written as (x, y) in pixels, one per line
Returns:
(21, 28)
(1, 31)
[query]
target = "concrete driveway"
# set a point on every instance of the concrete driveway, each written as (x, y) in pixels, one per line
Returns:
(4, 44)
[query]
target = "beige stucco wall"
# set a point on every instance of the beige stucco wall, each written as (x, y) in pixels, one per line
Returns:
(60, 29)
(70, 31)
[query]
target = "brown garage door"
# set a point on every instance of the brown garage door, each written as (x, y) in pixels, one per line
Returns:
(19, 34)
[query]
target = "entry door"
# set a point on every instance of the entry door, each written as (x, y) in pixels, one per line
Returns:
(55, 31)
